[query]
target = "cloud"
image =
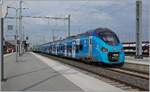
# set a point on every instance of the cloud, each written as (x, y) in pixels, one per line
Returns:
(102, 16)
(118, 15)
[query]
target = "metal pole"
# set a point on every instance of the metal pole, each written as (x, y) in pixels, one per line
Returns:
(1, 43)
(50, 32)
(23, 39)
(139, 29)
(53, 35)
(20, 26)
(1, 49)
(69, 25)
(16, 37)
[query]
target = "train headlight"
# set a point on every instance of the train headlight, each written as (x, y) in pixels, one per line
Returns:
(104, 49)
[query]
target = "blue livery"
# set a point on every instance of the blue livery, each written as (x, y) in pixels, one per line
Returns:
(99, 45)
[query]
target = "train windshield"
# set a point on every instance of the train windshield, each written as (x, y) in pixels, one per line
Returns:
(109, 37)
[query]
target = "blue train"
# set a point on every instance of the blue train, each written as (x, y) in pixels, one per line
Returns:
(99, 45)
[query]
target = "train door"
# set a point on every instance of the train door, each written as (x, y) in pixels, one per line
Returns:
(65, 49)
(47, 49)
(52, 49)
(69, 49)
(73, 49)
(77, 46)
(56, 49)
(90, 46)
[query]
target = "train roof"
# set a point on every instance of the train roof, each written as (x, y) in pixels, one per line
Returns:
(96, 31)
(91, 32)
(88, 33)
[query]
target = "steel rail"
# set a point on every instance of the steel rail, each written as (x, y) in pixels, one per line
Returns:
(132, 79)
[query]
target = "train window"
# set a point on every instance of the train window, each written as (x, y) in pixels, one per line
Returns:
(63, 48)
(69, 48)
(90, 41)
(81, 47)
(50, 48)
(77, 48)
(59, 47)
(109, 37)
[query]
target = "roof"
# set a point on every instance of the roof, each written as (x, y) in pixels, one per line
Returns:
(88, 33)
(95, 31)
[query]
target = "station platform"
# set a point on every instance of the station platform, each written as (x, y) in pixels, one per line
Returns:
(5, 55)
(33, 72)
(144, 61)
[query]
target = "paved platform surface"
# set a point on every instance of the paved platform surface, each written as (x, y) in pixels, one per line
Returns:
(144, 61)
(5, 55)
(33, 72)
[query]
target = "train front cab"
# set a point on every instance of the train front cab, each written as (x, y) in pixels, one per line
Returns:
(107, 53)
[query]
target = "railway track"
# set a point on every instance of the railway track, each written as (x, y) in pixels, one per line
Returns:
(119, 77)
(143, 69)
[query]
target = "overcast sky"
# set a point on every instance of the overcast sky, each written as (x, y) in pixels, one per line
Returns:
(118, 15)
